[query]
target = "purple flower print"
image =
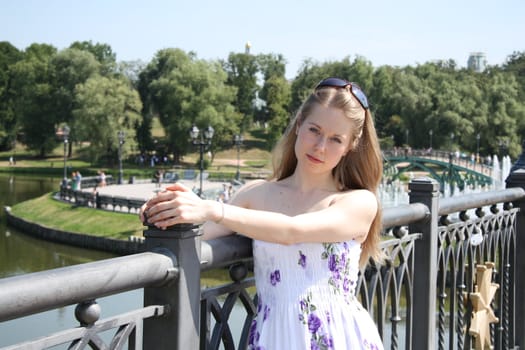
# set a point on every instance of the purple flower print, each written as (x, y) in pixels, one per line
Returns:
(314, 345)
(371, 346)
(303, 305)
(332, 262)
(327, 342)
(313, 323)
(266, 312)
(302, 259)
(254, 335)
(346, 285)
(275, 277)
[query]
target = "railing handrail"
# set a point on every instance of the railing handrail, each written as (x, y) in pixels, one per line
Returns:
(80, 282)
(477, 200)
(224, 251)
(46, 290)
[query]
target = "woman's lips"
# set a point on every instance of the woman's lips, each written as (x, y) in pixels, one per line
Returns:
(313, 159)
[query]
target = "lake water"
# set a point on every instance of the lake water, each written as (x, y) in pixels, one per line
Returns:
(21, 254)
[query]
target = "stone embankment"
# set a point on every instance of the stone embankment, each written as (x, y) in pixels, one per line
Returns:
(116, 246)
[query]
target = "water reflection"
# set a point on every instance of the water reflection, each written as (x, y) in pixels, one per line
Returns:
(20, 253)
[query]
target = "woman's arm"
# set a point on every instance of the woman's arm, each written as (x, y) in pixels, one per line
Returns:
(348, 217)
(163, 203)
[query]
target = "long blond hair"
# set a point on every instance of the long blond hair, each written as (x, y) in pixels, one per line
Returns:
(360, 168)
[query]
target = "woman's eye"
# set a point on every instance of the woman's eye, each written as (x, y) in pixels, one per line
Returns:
(336, 139)
(314, 130)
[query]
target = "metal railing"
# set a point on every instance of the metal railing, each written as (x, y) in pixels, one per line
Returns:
(92, 199)
(420, 298)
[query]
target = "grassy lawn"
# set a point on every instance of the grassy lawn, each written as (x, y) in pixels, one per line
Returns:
(252, 155)
(63, 216)
(253, 158)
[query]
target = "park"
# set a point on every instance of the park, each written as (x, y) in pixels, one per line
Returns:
(452, 247)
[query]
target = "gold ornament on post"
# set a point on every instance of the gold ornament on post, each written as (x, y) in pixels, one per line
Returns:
(482, 313)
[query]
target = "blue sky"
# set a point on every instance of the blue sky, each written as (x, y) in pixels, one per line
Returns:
(402, 32)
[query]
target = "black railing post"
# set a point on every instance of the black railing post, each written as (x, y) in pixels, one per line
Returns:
(179, 329)
(426, 191)
(517, 179)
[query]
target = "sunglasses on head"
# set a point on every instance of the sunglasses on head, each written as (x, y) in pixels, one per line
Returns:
(341, 83)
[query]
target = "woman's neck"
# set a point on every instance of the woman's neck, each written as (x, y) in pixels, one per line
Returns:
(308, 183)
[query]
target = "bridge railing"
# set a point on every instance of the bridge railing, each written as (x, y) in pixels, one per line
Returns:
(480, 165)
(421, 298)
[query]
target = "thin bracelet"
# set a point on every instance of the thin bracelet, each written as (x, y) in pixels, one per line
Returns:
(222, 217)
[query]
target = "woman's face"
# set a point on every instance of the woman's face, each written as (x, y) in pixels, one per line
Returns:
(323, 138)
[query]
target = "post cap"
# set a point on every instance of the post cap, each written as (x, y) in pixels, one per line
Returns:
(423, 184)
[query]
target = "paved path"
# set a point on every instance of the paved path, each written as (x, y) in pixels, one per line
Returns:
(147, 190)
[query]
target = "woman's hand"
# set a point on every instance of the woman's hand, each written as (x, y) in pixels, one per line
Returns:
(177, 205)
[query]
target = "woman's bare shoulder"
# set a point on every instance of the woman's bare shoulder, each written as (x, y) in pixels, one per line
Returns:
(253, 184)
(360, 197)
(247, 192)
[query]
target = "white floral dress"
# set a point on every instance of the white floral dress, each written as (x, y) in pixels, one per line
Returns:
(306, 298)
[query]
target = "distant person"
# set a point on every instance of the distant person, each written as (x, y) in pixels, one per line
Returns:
(79, 180)
(74, 181)
(158, 177)
(101, 178)
(225, 193)
(313, 225)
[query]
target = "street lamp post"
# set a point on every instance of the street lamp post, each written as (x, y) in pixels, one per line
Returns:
(121, 135)
(238, 139)
(14, 151)
(65, 136)
(477, 147)
(203, 141)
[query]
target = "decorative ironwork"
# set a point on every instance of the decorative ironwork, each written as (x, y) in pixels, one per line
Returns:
(482, 313)
(459, 254)
(128, 330)
(466, 235)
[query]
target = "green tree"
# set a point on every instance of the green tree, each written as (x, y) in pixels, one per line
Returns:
(106, 106)
(310, 73)
(184, 91)
(9, 55)
(242, 69)
(131, 70)
(70, 67)
(278, 97)
(102, 53)
(380, 95)
(271, 65)
(412, 101)
(506, 113)
(34, 105)
(515, 64)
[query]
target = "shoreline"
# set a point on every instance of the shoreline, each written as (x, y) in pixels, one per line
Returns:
(110, 245)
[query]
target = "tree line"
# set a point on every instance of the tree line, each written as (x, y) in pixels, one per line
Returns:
(435, 104)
